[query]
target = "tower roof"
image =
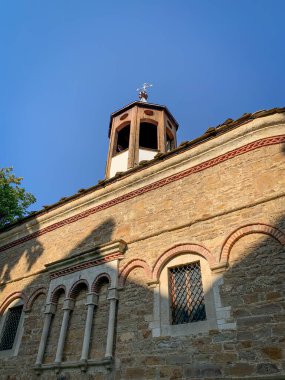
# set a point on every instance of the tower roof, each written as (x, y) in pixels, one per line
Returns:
(142, 105)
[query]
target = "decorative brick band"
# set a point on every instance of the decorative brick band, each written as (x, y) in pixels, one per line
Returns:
(246, 230)
(56, 293)
(155, 185)
(34, 296)
(99, 280)
(76, 287)
(12, 297)
(179, 249)
(87, 264)
(126, 270)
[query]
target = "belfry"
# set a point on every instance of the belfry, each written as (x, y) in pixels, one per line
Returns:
(137, 132)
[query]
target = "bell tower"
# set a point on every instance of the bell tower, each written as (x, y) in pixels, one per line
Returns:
(137, 132)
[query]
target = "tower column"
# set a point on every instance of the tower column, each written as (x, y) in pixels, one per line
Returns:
(133, 139)
(161, 133)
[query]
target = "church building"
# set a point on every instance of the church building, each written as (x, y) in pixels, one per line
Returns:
(172, 267)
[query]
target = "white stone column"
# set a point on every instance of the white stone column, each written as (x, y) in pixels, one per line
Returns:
(49, 312)
(68, 306)
(92, 301)
(113, 297)
(155, 324)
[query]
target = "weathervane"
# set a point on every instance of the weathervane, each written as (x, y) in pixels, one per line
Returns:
(143, 95)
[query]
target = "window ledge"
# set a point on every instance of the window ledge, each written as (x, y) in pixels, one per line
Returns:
(188, 329)
(83, 365)
(7, 353)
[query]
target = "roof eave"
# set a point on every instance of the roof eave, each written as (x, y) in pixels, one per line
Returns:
(142, 105)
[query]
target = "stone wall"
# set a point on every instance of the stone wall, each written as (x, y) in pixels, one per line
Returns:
(204, 208)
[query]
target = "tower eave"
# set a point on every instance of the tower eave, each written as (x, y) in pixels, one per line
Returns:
(142, 105)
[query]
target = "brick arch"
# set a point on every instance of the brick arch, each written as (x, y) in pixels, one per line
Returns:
(76, 287)
(12, 297)
(56, 293)
(99, 280)
(34, 296)
(180, 249)
(136, 263)
(246, 230)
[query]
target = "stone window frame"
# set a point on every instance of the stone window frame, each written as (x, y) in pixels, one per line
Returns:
(224, 320)
(18, 337)
(162, 300)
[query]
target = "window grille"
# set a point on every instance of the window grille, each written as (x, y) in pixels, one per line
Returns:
(186, 294)
(10, 327)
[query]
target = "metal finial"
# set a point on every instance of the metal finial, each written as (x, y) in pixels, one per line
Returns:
(143, 95)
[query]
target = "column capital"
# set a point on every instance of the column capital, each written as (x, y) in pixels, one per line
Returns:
(92, 299)
(68, 304)
(50, 308)
(113, 294)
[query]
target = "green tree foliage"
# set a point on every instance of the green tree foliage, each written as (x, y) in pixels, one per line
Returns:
(14, 200)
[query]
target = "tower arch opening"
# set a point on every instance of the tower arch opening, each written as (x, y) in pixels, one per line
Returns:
(123, 139)
(148, 136)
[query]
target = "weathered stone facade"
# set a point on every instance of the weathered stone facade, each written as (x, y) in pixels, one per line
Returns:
(219, 201)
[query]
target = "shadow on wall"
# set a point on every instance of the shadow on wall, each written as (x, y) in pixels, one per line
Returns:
(22, 260)
(252, 297)
(254, 288)
(34, 298)
(101, 234)
(19, 260)
(72, 351)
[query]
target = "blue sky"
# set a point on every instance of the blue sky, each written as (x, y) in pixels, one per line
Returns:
(66, 65)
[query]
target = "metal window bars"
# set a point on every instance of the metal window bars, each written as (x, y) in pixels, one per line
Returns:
(186, 294)
(10, 328)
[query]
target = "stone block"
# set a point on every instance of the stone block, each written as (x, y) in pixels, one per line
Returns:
(271, 308)
(278, 330)
(247, 355)
(135, 373)
(252, 321)
(202, 371)
(126, 337)
(228, 326)
(228, 346)
(153, 360)
(170, 372)
(267, 368)
(240, 369)
(225, 357)
(273, 353)
(178, 359)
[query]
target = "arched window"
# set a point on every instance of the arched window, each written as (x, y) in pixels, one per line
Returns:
(148, 136)
(187, 301)
(11, 328)
(123, 138)
(185, 304)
